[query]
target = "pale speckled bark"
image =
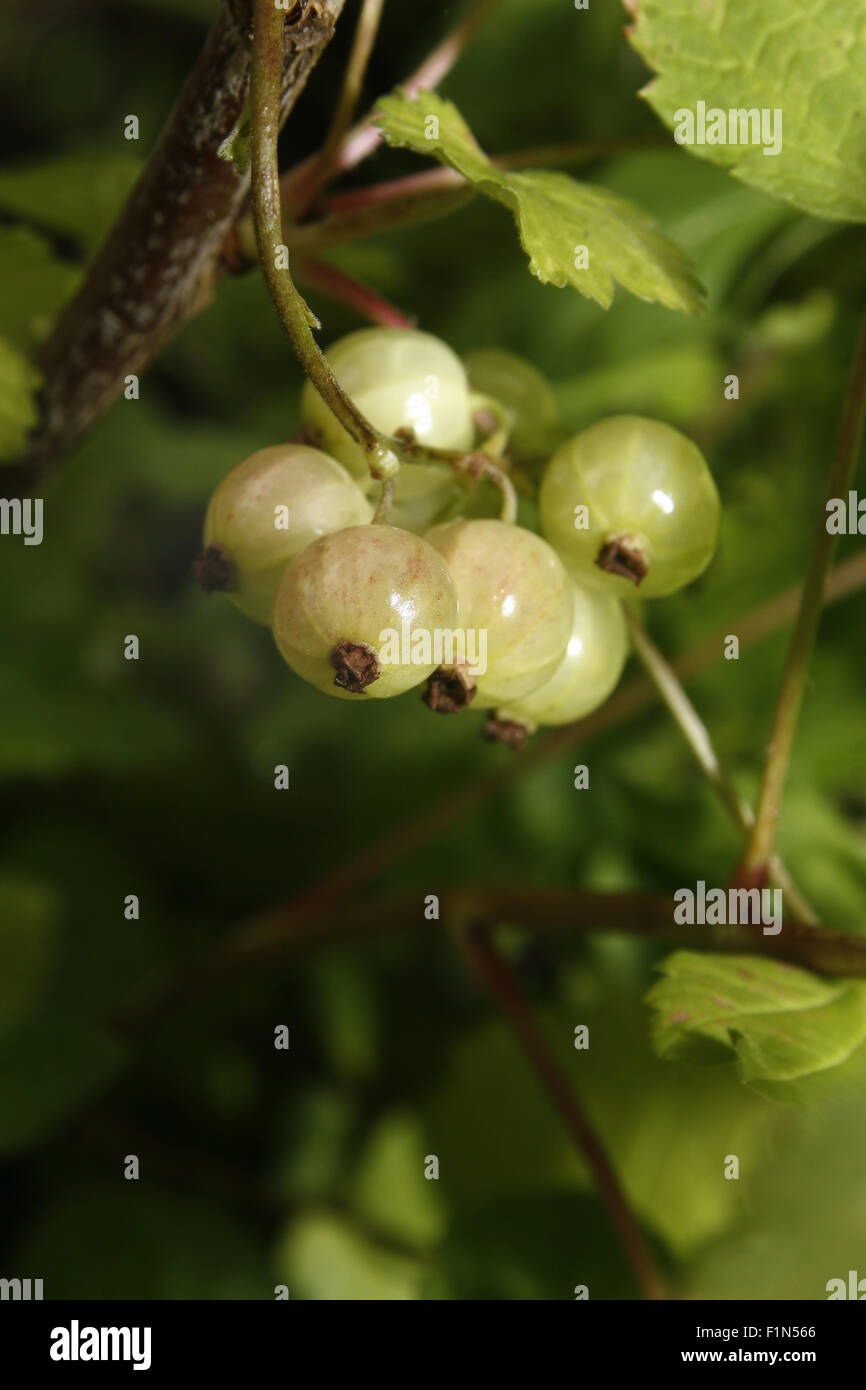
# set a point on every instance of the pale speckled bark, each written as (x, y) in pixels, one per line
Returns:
(159, 263)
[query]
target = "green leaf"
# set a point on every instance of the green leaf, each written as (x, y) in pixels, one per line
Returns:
(555, 215)
(19, 381)
(807, 63)
(49, 1065)
(322, 1256)
(79, 192)
(803, 1220)
(497, 1136)
(35, 285)
(390, 1190)
(784, 1025)
(28, 931)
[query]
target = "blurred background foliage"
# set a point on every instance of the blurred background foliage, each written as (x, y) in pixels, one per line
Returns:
(305, 1167)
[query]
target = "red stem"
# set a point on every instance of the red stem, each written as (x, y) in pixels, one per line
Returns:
(364, 137)
(355, 295)
(505, 987)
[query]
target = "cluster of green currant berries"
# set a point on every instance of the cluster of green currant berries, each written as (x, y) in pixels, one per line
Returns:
(627, 506)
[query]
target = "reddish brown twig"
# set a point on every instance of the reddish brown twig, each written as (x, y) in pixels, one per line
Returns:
(351, 293)
(495, 972)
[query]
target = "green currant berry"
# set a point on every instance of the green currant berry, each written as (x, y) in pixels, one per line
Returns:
(524, 394)
(631, 501)
(358, 612)
(515, 609)
(266, 511)
(589, 670)
(399, 378)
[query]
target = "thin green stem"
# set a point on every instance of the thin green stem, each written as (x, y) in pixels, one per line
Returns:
(384, 453)
(697, 737)
(508, 510)
(294, 314)
(502, 982)
(383, 508)
(759, 849)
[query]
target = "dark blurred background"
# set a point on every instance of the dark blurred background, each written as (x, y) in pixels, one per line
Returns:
(155, 778)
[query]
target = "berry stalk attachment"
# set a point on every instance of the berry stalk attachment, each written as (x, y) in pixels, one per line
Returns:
(382, 452)
(357, 613)
(630, 501)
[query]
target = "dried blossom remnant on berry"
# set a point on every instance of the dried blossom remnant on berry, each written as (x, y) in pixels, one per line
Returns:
(449, 691)
(621, 555)
(357, 666)
(484, 421)
(506, 731)
(214, 570)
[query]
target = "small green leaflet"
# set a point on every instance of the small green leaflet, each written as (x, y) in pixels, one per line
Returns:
(784, 1025)
(236, 146)
(555, 215)
(803, 60)
(19, 382)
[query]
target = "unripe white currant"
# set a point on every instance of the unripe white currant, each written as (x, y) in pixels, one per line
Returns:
(422, 492)
(524, 394)
(400, 379)
(631, 501)
(589, 670)
(515, 598)
(266, 511)
(357, 613)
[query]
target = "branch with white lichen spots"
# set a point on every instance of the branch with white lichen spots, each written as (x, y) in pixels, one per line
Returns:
(163, 256)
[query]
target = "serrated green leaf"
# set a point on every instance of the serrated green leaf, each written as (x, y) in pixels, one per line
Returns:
(555, 215)
(806, 62)
(19, 381)
(783, 1024)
